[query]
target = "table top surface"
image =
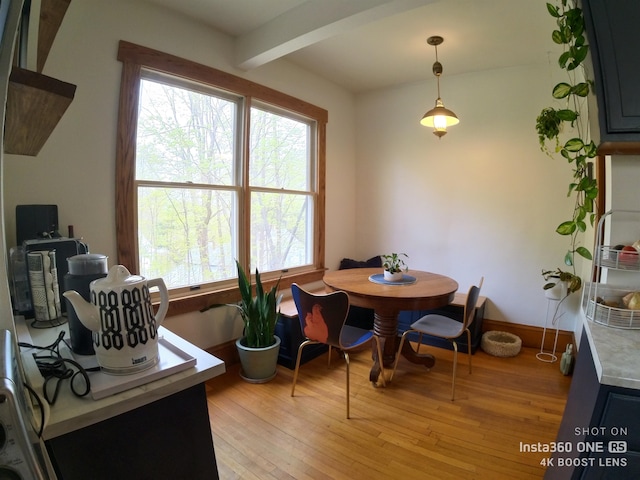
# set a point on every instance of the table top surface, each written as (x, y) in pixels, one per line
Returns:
(430, 290)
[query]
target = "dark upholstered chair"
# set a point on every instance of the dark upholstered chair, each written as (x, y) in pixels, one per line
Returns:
(322, 320)
(447, 328)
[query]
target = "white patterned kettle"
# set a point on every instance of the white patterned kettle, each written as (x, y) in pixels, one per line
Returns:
(120, 315)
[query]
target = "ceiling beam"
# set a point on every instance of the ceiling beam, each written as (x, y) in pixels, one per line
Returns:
(311, 22)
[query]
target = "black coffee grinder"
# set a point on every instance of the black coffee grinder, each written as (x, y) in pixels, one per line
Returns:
(83, 269)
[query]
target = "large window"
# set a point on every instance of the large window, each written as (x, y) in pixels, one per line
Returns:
(212, 168)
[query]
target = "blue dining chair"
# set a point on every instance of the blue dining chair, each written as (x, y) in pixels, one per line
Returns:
(322, 320)
(444, 327)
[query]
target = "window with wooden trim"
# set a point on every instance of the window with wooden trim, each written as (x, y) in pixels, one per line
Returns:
(212, 168)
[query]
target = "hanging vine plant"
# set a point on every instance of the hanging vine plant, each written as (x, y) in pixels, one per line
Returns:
(578, 149)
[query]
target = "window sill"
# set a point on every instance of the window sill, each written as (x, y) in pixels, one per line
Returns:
(202, 300)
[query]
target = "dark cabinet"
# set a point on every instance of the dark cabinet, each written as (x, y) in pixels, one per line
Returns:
(599, 434)
(169, 438)
(614, 36)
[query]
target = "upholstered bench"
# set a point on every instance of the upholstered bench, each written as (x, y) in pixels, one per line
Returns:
(288, 330)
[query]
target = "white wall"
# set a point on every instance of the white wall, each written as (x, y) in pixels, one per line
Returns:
(76, 167)
(481, 201)
(484, 200)
(623, 228)
(625, 176)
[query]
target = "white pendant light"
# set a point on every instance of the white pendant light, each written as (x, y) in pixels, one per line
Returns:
(439, 117)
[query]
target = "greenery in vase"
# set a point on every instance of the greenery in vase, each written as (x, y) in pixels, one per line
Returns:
(552, 277)
(392, 262)
(259, 313)
(578, 149)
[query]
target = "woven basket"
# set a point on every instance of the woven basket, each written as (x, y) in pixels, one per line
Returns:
(501, 344)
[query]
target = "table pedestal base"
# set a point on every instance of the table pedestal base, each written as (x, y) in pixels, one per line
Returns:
(385, 326)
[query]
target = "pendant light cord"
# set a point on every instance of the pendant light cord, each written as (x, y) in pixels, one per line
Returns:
(437, 70)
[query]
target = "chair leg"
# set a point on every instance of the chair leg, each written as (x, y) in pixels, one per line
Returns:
(379, 350)
(419, 343)
(398, 354)
(329, 357)
(346, 359)
(455, 364)
(469, 348)
(295, 372)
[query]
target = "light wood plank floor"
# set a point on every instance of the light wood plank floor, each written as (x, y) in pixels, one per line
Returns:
(410, 429)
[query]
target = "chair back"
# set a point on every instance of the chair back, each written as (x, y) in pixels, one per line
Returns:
(470, 305)
(321, 316)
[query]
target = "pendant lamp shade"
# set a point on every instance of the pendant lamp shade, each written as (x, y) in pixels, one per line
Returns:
(439, 117)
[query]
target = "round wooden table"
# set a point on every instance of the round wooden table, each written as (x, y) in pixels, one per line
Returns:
(429, 291)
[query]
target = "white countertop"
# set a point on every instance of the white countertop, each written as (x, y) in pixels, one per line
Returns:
(71, 413)
(616, 354)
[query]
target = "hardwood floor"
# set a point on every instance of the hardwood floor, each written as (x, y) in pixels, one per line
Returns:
(411, 429)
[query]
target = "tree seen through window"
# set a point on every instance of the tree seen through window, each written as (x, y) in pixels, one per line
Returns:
(190, 177)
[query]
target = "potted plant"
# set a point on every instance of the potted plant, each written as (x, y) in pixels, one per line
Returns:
(393, 266)
(258, 348)
(579, 148)
(560, 283)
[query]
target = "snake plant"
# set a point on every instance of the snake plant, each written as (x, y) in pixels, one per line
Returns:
(260, 313)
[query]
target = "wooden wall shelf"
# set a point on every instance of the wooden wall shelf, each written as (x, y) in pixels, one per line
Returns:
(35, 105)
(36, 102)
(52, 13)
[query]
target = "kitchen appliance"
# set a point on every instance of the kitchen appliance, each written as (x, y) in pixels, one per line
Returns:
(19, 275)
(83, 269)
(121, 316)
(20, 292)
(22, 454)
(36, 221)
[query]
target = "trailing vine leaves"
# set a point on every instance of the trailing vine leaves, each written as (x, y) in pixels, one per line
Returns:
(578, 150)
(573, 282)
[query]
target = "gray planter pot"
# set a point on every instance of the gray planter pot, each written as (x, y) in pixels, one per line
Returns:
(258, 364)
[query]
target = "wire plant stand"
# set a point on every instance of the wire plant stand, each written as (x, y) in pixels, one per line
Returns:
(554, 303)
